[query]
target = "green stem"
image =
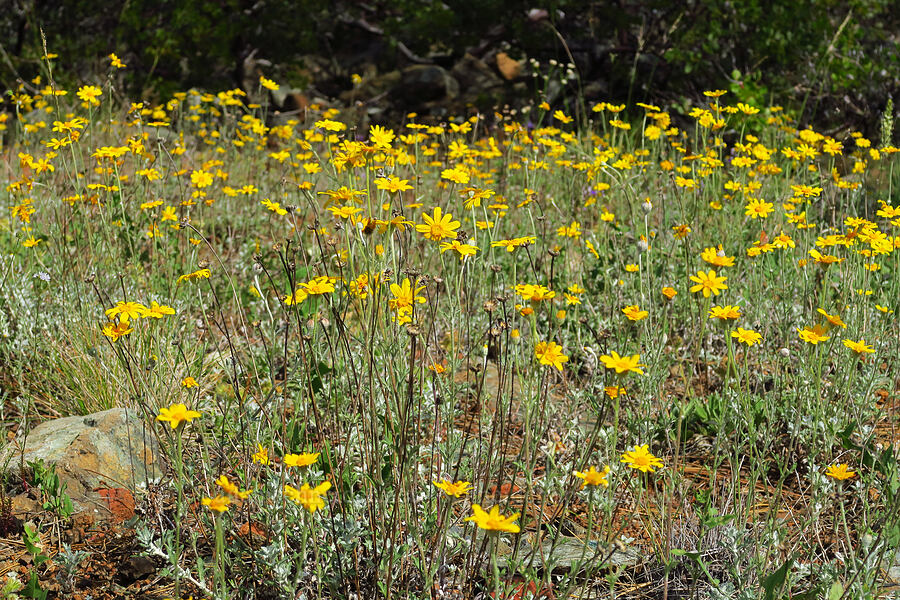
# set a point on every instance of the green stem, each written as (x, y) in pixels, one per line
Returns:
(179, 507)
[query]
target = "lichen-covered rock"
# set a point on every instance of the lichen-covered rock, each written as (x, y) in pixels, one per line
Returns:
(115, 448)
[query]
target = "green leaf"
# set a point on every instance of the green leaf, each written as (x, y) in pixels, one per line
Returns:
(836, 591)
(774, 582)
(33, 588)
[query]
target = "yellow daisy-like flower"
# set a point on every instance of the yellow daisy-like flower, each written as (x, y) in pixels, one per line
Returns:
(199, 274)
(126, 311)
(534, 292)
(268, 84)
(296, 298)
(813, 335)
(177, 414)
(614, 391)
(716, 257)
(593, 477)
(310, 498)
(641, 459)
(157, 311)
(455, 175)
(622, 364)
(725, 313)
(453, 489)
(833, 320)
(262, 455)
(116, 330)
(231, 489)
(318, 286)
(392, 184)
(550, 353)
(746, 336)
(494, 521)
(463, 250)
(380, 136)
(201, 178)
(89, 94)
(439, 226)
(708, 283)
(840, 472)
(634, 313)
(300, 460)
(405, 295)
(218, 504)
(758, 209)
(859, 347)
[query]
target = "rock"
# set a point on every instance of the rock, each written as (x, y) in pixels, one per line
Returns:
(894, 569)
(134, 569)
(570, 552)
(509, 68)
(289, 99)
(421, 84)
(372, 87)
(101, 458)
(596, 90)
(474, 76)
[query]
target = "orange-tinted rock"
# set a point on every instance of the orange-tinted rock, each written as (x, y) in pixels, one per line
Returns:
(113, 449)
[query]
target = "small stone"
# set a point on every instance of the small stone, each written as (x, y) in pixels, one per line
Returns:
(508, 67)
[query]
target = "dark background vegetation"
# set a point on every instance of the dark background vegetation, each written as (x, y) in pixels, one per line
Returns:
(835, 62)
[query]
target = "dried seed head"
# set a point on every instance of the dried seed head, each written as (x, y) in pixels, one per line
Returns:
(496, 268)
(490, 305)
